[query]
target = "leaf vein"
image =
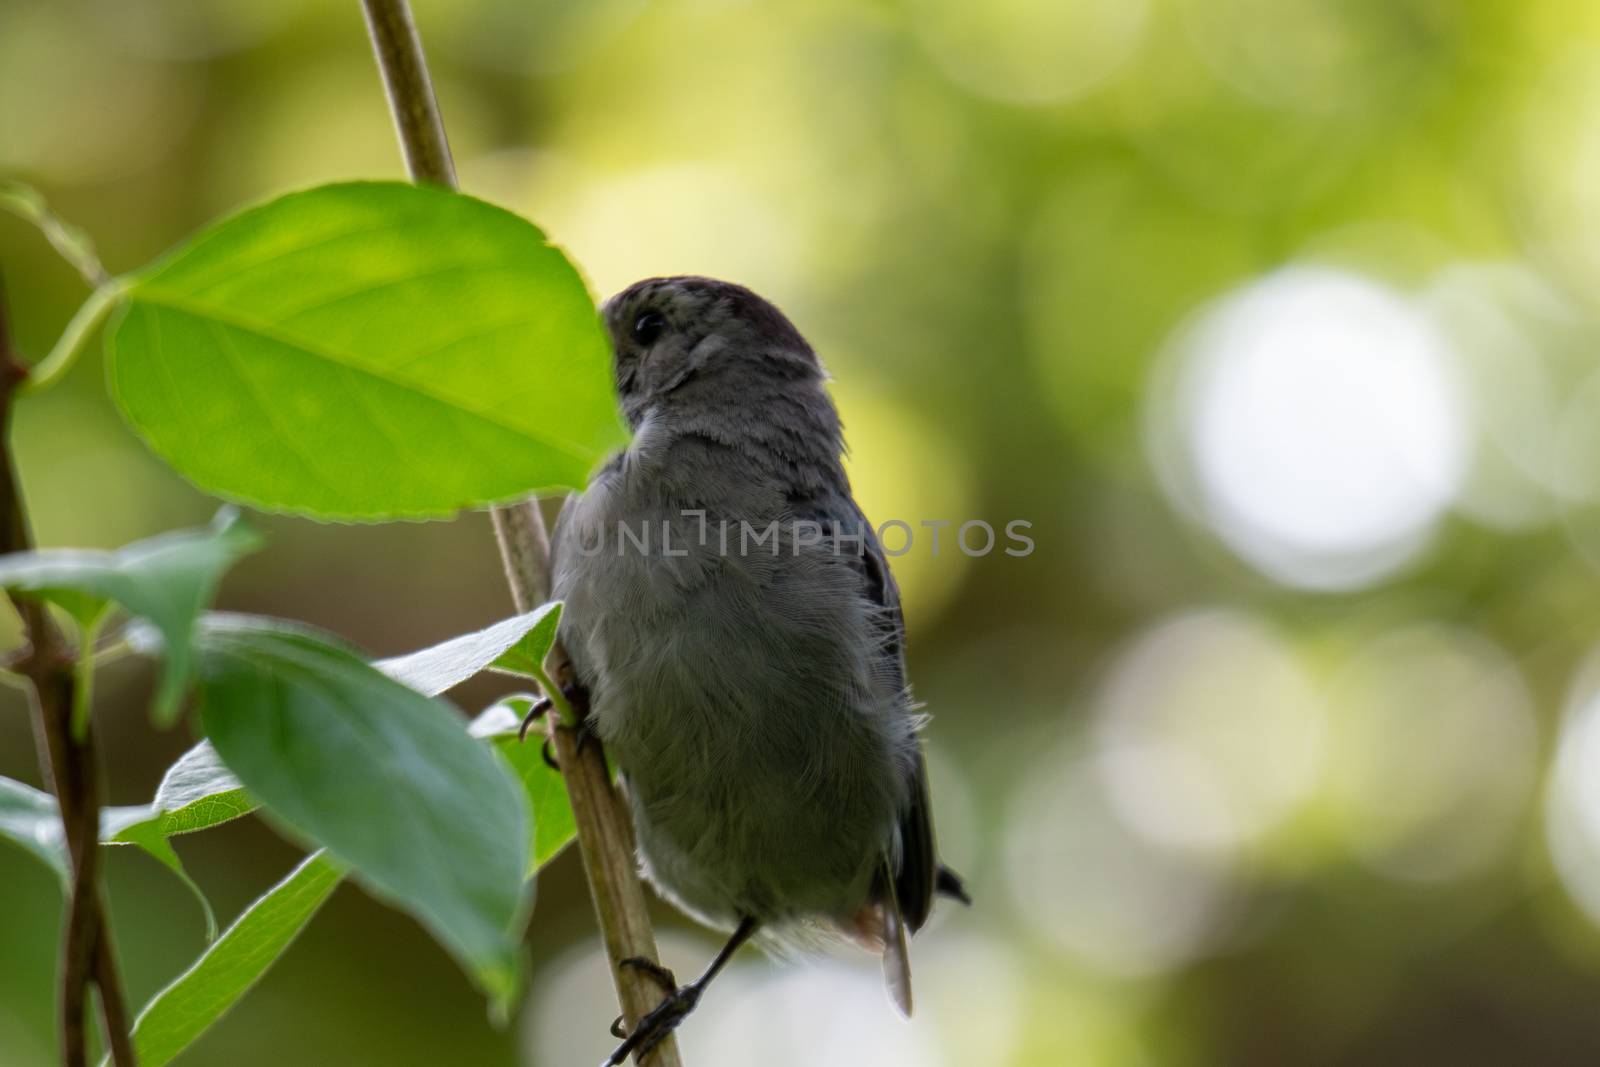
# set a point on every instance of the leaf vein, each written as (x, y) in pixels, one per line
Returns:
(274, 334)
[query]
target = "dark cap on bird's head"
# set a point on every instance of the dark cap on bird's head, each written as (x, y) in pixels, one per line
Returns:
(669, 332)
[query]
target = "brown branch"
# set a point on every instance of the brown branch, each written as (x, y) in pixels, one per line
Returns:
(72, 767)
(113, 1002)
(605, 835)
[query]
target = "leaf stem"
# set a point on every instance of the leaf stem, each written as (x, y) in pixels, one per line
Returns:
(83, 682)
(605, 835)
(74, 339)
(73, 244)
(71, 763)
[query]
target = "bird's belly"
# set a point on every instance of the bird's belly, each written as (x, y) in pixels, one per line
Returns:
(736, 830)
(763, 768)
(742, 698)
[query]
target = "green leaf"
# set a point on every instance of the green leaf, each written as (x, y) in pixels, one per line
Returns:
(444, 666)
(526, 657)
(233, 963)
(74, 340)
(553, 825)
(367, 351)
(165, 580)
(196, 793)
(29, 817)
(199, 792)
(133, 826)
(386, 779)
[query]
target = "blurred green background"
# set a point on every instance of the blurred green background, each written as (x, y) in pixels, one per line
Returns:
(1275, 318)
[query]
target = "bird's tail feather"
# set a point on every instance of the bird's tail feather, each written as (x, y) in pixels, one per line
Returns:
(949, 884)
(896, 952)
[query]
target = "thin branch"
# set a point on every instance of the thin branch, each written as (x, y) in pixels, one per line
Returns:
(605, 835)
(72, 766)
(51, 713)
(113, 1002)
(398, 47)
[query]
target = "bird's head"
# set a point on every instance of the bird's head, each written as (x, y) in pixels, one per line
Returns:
(704, 337)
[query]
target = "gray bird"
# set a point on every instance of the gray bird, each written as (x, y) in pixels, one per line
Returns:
(748, 679)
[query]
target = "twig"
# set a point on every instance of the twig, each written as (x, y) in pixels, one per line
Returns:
(72, 766)
(605, 835)
(113, 1002)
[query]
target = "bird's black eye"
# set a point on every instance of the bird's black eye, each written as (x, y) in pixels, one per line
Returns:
(648, 326)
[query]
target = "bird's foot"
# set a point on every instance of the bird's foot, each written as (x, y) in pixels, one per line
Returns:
(661, 1021)
(666, 1016)
(663, 976)
(540, 709)
(578, 698)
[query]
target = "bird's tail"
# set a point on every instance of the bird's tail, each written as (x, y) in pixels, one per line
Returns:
(949, 884)
(896, 952)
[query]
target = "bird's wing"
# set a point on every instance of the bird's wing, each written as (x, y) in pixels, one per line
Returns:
(917, 875)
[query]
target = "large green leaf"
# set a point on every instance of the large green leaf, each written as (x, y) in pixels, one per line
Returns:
(199, 791)
(233, 963)
(229, 968)
(367, 351)
(388, 780)
(29, 817)
(166, 580)
(553, 825)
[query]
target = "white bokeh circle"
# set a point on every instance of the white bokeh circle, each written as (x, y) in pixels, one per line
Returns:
(1315, 420)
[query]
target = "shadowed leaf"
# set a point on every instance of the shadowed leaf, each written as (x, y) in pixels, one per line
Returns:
(166, 580)
(29, 818)
(553, 825)
(386, 779)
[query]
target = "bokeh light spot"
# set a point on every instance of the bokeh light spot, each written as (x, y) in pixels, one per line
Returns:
(1433, 752)
(1572, 816)
(773, 1006)
(1209, 732)
(1317, 424)
(1523, 349)
(1108, 896)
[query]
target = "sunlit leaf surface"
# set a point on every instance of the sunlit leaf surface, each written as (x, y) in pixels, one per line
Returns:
(233, 963)
(367, 351)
